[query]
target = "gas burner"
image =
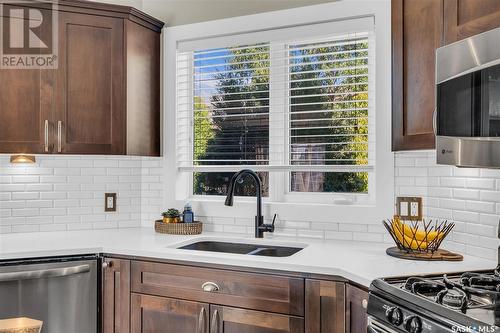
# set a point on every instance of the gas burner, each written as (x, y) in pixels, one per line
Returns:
(453, 298)
(428, 288)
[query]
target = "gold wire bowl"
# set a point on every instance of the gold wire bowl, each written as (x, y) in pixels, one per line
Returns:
(417, 237)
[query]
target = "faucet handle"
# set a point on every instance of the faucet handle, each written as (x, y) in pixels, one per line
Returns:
(272, 224)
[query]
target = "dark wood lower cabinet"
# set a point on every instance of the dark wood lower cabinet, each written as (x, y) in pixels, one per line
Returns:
(233, 320)
(152, 314)
(116, 296)
(325, 306)
(355, 314)
(149, 297)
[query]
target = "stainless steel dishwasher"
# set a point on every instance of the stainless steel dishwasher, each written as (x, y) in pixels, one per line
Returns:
(60, 294)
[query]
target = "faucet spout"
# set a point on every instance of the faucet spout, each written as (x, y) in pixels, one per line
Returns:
(260, 227)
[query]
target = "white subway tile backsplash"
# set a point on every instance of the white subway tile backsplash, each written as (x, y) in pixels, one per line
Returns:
(465, 194)
(339, 235)
(67, 193)
(469, 197)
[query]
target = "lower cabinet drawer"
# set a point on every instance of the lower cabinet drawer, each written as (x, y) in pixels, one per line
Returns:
(269, 293)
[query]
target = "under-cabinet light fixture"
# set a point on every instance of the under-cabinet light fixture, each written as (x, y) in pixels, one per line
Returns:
(22, 159)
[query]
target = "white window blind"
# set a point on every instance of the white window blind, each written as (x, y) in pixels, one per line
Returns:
(291, 105)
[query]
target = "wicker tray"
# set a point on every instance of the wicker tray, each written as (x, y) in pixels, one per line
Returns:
(194, 228)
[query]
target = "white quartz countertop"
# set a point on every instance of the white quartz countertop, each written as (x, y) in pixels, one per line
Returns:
(360, 262)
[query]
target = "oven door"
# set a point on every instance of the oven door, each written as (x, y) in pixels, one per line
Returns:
(375, 326)
(51, 297)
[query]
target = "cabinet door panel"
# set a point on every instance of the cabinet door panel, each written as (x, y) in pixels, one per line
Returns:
(417, 30)
(233, 320)
(356, 317)
(151, 314)
(26, 102)
(91, 108)
(325, 306)
(465, 18)
(116, 296)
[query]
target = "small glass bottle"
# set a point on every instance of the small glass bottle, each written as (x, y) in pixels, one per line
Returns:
(188, 215)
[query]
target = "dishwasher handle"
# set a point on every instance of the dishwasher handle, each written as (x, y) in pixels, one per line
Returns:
(44, 273)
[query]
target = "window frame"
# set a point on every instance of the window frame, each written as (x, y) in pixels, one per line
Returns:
(279, 197)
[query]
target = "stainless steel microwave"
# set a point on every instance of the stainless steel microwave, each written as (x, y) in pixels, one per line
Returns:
(467, 116)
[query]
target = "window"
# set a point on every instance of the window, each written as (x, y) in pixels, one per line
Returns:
(328, 113)
(297, 109)
(320, 141)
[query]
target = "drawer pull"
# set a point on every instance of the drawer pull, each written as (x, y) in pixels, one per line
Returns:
(364, 303)
(210, 287)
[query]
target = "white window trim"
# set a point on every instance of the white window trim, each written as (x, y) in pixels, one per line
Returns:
(178, 184)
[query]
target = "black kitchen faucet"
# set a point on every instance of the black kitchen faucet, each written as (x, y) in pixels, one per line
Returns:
(260, 226)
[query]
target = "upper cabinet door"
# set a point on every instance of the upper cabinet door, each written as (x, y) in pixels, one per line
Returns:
(25, 104)
(91, 115)
(417, 31)
(465, 18)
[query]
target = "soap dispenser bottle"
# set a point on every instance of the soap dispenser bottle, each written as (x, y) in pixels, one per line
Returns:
(188, 215)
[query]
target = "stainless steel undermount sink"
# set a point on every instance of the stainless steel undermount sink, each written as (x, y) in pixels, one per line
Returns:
(242, 248)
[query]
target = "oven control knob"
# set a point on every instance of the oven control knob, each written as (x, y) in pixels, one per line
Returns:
(413, 324)
(394, 315)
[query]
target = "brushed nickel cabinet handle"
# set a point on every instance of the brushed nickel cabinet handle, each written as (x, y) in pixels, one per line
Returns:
(202, 321)
(46, 136)
(214, 325)
(210, 287)
(59, 138)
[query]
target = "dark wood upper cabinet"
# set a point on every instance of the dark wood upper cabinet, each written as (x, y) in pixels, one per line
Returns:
(465, 18)
(104, 97)
(233, 320)
(325, 306)
(419, 27)
(417, 31)
(355, 314)
(116, 296)
(25, 106)
(90, 113)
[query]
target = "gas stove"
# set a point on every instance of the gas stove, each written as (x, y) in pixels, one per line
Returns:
(461, 302)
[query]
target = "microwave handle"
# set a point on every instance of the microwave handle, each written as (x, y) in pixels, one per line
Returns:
(434, 121)
(44, 273)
